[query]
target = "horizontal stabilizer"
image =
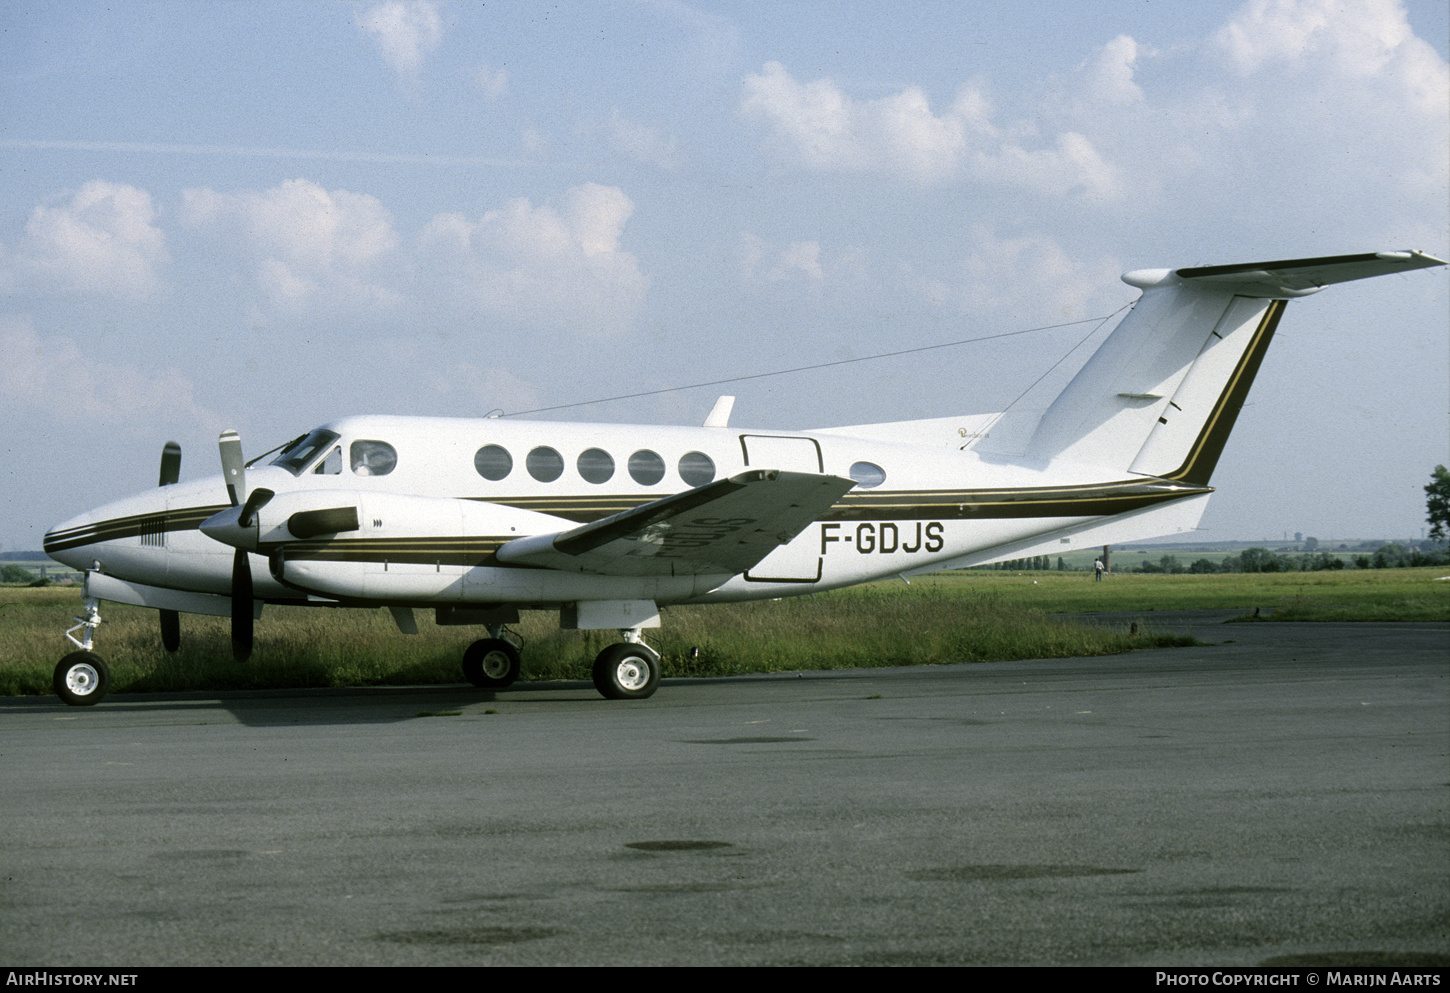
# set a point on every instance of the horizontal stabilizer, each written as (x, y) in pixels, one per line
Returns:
(724, 527)
(1300, 277)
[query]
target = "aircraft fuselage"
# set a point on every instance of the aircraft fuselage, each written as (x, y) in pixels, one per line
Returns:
(429, 526)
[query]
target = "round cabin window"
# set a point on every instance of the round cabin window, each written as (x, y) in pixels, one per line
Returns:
(493, 462)
(545, 464)
(595, 465)
(646, 468)
(697, 468)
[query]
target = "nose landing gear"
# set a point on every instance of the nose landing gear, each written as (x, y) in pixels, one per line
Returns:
(82, 679)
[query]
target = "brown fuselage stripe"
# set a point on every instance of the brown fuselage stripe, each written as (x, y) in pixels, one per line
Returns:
(466, 552)
(1095, 500)
(184, 519)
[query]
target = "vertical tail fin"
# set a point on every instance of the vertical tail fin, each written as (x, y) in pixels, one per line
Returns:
(1161, 395)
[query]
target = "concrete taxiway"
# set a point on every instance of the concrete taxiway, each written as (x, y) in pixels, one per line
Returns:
(1278, 795)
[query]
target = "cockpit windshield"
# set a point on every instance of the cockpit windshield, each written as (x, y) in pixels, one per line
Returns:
(297, 457)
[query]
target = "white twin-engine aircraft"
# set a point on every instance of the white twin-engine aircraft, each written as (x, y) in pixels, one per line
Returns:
(478, 519)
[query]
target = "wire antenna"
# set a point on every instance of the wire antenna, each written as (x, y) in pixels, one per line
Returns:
(1097, 321)
(1047, 372)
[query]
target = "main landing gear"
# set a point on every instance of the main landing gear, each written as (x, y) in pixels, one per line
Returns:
(629, 670)
(492, 662)
(82, 678)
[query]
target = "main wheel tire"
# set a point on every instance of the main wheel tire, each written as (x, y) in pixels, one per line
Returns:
(82, 679)
(627, 672)
(492, 663)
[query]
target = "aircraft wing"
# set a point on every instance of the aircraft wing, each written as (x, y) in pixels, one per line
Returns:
(722, 527)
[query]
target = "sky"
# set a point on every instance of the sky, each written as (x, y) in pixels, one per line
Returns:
(266, 216)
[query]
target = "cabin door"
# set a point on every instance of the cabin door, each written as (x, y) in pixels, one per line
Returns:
(800, 560)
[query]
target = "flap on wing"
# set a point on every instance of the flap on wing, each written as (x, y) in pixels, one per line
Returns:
(723, 527)
(1300, 277)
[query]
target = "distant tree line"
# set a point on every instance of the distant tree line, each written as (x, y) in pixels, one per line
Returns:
(1387, 555)
(11, 573)
(1034, 563)
(1390, 555)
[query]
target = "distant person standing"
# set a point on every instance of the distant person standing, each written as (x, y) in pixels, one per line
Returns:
(1097, 570)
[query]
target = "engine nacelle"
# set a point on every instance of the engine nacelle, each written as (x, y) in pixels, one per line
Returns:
(424, 550)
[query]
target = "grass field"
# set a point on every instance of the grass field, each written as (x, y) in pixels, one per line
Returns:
(1348, 595)
(953, 617)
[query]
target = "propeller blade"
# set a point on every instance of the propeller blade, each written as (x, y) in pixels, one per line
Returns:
(241, 606)
(254, 503)
(170, 630)
(170, 473)
(170, 464)
(234, 472)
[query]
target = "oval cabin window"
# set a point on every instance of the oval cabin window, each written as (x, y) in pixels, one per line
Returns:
(697, 468)
(372, 458)
(868, 475)
(545, 464)
(646, 468)
(595, 465)
(493, 462)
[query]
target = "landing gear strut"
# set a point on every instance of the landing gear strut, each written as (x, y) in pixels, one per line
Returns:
(627, 671)
(82, 679)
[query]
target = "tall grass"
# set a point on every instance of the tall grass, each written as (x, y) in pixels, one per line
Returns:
(296, 647)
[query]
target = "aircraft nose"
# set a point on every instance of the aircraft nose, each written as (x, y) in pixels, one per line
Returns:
(70, 541)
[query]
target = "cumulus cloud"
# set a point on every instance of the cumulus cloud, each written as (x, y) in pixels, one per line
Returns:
(1000, 273)
(404, 31)
(825, 129)
(557, 267)
(640, 142)
(1369, 38)
(102, 240)
(493, 83)
(54, 375)
(821, 127)
(1345, 93)
(1109, 74)
(486, 389)
(800, 261)
(307, 243)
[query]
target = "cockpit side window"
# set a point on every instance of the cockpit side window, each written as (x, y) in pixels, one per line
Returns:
(372, 458)
(298, 457)
(331, 464)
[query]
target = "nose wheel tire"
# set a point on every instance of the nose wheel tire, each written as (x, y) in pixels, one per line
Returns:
(82, 679)
(627, 672)
(492, 663)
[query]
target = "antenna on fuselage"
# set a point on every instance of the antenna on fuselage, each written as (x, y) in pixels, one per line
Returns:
(719, 416)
